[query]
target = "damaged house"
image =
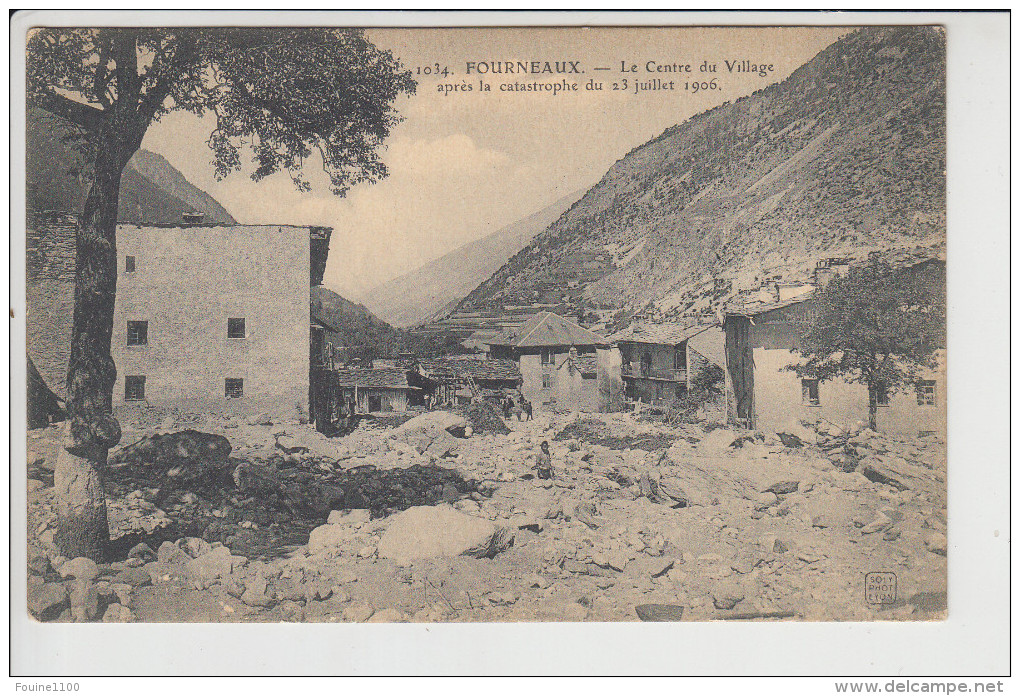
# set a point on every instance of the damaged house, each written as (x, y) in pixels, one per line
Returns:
(383, 389)
(460, 379)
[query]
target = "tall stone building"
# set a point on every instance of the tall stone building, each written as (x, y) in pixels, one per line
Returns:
(208, 318)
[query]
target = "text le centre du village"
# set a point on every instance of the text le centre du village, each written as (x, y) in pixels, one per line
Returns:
(635, 77)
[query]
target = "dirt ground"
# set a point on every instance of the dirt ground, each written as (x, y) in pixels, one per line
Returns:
(709, 523)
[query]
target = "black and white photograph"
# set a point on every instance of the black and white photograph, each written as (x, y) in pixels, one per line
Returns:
(485, 324)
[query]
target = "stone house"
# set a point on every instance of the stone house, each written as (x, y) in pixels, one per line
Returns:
(762, 394)
(577, 383)
(659, 362)
(540, 346)
(208, 318)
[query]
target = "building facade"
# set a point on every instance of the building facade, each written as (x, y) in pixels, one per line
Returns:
(213, 318)
(539, 347)
(763, 394)
(383, 389)
(660, 362)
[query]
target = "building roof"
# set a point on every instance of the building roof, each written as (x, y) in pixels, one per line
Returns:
(454, 366)
(586, 363)
(740, 308)
(668, 334)
(548, 329)
(374, 377)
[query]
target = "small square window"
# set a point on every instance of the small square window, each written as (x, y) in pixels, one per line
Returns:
(134, 388)
(880, 395)
(546, 381)
(129, 264)
(809, 392)
(234, 388)
(926, 392)
(138, 333)
(547, 356)
(235, 328)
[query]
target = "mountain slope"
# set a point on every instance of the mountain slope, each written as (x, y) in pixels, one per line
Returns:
(160, 172)
(845, 156)
(357, 325)
(151, 190)
(437, 286)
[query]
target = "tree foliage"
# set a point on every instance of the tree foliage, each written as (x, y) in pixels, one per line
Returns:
(283, 92)
(877, 326)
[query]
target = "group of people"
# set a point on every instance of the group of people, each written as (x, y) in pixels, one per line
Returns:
(516, 404)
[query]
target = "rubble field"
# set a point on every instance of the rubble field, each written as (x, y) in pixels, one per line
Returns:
(443, 518)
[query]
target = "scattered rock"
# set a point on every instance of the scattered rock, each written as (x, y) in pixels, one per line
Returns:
(358, 612)
(142, 551)
(292, 611)
(214, 564)
(118, 613)
(782, 487)
(194, 547)
(441, 531)
(329, 536)
(136, 577)
(502, 599)
(47, 601)
(937, 542)
(350, 517)
(80, 569)
(170, 554)
(261, 419)
(388, 616)
(878, 524)
(719, 441)
(84, 600)
(659, 612)
(39, 565)
(726, 595)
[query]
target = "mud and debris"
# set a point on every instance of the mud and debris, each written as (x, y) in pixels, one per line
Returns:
(442, 518)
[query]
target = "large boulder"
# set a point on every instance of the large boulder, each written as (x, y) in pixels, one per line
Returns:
(187, 447)
(718, 441)
(441, 531)
(431, 426)
(214, 564)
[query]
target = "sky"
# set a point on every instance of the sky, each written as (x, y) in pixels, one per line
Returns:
(465, 164)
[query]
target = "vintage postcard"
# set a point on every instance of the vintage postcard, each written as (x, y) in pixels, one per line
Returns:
(486, 324)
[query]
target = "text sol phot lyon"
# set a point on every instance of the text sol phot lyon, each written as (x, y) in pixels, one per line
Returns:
(686, 73)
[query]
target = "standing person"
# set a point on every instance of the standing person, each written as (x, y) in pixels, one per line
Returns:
(526, 407)
(544, 463)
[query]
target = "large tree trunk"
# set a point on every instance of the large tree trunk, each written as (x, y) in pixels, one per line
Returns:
(82, 528)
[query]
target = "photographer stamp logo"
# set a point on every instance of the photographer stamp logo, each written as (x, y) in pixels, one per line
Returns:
(880, 588)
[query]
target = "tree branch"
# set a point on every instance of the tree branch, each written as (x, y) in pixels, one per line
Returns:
(88, 117)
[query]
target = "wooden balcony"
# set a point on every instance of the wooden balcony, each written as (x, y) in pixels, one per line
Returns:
(637, 371)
